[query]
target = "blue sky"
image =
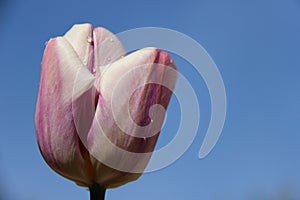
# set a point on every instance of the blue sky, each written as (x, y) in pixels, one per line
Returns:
(255, 45)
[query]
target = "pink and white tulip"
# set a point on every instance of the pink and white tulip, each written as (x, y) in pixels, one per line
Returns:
(79, 73)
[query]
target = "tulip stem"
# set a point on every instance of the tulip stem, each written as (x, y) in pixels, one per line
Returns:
(97, 192)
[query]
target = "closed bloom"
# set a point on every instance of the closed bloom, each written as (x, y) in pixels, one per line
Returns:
(96, 123)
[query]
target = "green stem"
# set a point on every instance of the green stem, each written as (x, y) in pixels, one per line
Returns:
(97, 192)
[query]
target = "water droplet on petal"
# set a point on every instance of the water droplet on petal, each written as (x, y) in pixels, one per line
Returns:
(144, 138)
(111, 40)
(89, 39)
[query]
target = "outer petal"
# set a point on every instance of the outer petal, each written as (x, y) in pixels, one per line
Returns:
(58, 102)
(142, 74)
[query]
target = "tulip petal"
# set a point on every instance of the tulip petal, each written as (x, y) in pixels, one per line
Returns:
(114, 99)
(107, 48)
(58, 102)
(80, 38)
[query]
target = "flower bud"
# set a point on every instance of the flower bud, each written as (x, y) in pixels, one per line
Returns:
(94, 102)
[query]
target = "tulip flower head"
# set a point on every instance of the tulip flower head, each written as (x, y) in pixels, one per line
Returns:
(99, 111)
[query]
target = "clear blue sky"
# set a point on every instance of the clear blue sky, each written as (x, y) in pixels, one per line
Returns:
(255, 44)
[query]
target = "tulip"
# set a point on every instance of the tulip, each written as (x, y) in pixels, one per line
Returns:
(94, 101)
